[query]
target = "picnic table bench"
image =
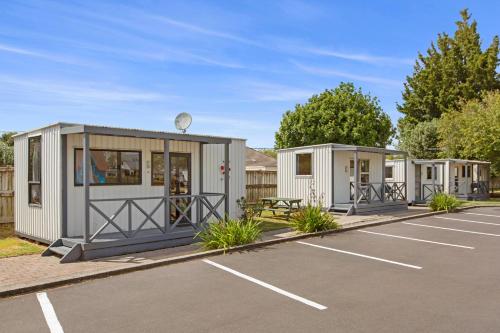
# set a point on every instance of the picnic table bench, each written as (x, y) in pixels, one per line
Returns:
(275, 204)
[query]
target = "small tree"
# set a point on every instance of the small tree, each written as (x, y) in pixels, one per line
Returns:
(421, 141)
(6, 154)
(7, 137)
(270, 152)
(341, 115)
(473, 132)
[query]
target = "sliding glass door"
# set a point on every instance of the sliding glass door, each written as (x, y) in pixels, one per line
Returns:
(180, 183)
(180, 180)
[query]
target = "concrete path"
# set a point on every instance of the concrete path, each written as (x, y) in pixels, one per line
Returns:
(425, 275)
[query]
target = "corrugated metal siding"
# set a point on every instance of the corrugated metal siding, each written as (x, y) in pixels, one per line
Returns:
(212, 153)
(213, 179)
(40, 222)
(292, 186)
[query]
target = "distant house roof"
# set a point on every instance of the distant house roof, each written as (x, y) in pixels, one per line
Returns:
(255, 160)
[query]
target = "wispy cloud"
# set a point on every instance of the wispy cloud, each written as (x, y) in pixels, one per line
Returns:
(42, 55)
(351, 76)
(204, 31)
(152, 51)
(143, 31)
(272, 92)
(232, 122)
(366, 58)
(78, 92)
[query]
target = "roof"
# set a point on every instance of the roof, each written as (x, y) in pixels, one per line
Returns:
(255, 158)
(343, 147)
(444, 160)
(70, 128)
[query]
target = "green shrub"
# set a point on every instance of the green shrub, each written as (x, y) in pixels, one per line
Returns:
(313, 219)
(249, 211)
(443, 201)
(230, 233)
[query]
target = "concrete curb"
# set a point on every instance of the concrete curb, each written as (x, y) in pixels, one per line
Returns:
(193, 256)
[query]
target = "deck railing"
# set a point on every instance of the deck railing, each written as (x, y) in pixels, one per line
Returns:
(378, 192)
(460, 187)
(474, 187)
(182, 213)
(481, 187)
(428, 191)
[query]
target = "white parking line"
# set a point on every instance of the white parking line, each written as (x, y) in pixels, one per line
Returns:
(418, 240)
(267, 285)
(361, 255)
(481, 214)
(459, 230)
(49, 313)
(461, 220)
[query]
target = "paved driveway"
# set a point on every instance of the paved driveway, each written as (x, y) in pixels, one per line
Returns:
(436, 274)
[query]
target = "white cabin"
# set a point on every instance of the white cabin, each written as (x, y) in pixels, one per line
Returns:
(466, 179)
(101, 190)
(327, 174)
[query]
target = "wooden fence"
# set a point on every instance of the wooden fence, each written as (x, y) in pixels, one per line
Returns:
(7, 194)
(261, 184)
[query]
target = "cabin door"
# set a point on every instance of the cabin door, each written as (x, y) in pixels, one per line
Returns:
(180, 184)
(455, 179)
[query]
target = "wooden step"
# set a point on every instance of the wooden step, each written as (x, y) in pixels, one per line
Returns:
(60, 250)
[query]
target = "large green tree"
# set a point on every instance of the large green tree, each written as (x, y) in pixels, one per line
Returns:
(455, 68)
(341, 115)
(421, 141)
(473, 132)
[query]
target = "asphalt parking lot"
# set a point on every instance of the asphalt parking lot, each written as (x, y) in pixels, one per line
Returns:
(435, 274)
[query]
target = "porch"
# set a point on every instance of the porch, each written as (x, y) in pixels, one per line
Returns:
(429, 179)
(469, 180)
(117, 222)
(369, 190)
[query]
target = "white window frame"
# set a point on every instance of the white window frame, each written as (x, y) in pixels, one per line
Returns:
(351, 178)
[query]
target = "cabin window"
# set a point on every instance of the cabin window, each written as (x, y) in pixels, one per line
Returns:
(35, 170)
(468, 171)
(303, 164)
(364, 170)
(157, 168)
(429, 173)
(110, 167)
(389, 172)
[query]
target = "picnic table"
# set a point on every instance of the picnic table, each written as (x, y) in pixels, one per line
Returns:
(275, 204)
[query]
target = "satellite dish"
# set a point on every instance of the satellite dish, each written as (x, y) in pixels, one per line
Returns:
(182, 121)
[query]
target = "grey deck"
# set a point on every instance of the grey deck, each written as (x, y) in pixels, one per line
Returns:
(473, 196)
(104, 239)
(115, 243)
(371, 208)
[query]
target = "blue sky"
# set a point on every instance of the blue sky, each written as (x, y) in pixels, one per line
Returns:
(236, 66)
